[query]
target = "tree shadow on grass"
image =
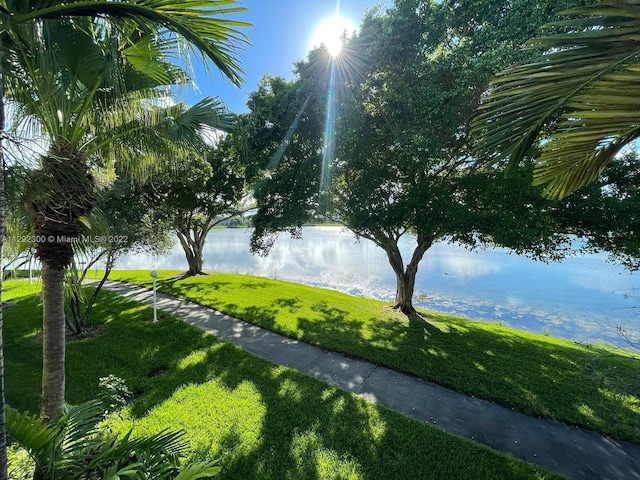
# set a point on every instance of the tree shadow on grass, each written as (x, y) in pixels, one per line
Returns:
(292, 304)
(305, 426)
(180, 286)
(23, 355)
(133, 347)
(587, 387)
(265, 317)
(184, 285)
(578, 385)
(557, 381)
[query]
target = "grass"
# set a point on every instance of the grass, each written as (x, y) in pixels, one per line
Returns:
(262, 420)
(593, 386)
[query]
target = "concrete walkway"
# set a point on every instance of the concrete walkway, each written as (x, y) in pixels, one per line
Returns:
(570, 451)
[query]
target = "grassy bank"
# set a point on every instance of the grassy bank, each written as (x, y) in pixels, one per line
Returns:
(263, 420)
(591, 386)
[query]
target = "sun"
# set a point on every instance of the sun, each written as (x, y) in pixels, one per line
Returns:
(329, 33)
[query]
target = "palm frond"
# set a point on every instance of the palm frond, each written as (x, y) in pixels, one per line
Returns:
(31, 432)
(208, 112)
(78, 427)
(582, 91)
(76, 447)
(145, 56)
(152, 133)
(204, 24)
(194, 471)
(113, 112)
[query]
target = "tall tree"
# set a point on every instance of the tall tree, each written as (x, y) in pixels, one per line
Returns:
(405, 92)
(75, 78)
(201, 24)
(576, 101)
(209, 190)
(92, 97)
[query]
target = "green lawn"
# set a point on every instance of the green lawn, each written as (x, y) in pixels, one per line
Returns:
(262, 420)
(592, 386)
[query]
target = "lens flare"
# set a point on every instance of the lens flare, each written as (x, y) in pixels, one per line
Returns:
(330, 33)
(329, 141)
(275, 159)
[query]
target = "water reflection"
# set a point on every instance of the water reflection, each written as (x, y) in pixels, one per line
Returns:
(580, 299)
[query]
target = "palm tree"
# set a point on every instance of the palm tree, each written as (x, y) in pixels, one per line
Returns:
(75, 83)
(578, 102)
(201, 24)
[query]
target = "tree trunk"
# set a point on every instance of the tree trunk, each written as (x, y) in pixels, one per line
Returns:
(193, 247)
(58, 195)
(53, 340)
(3, 425)
(406, 278)
(111, 260)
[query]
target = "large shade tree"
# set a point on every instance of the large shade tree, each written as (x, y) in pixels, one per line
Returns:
(577, 101)
(405, 91)
(210, 188)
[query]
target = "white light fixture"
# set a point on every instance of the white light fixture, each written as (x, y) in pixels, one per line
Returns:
(154, 275)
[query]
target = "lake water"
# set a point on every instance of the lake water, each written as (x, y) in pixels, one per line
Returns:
(582, 298)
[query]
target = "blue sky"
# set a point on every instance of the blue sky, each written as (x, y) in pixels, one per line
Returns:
(281, 34)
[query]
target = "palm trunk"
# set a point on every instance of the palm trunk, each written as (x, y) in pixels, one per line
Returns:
(406, 278)
(70, 195)
(3, 426)
(53, 340)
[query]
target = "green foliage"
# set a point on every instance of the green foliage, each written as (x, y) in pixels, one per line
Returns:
(607, 212)
(17, 249)
(102, 109)
(209, 189)
(403, 94)
(75, 446)
(121, 223)
(282, 134)
(75, 298)
(65, 73)
(114, 394)
(205, 26)
(206, 187)
(403, 136)
(20, 464)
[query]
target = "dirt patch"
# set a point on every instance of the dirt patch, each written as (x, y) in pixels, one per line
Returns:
(92, 331)
(158, 372)
(89, 332)
(135, 396)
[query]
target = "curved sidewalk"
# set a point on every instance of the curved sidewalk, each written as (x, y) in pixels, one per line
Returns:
(570, 451)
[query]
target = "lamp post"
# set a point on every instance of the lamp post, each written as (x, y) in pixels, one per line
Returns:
(154, 275)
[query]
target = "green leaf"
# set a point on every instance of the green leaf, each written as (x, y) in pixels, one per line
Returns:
(32, 433)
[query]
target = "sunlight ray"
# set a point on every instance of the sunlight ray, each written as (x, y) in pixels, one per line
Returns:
(287, 138)
(329, 148)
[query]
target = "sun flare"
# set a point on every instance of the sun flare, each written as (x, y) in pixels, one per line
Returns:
(329, 33)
